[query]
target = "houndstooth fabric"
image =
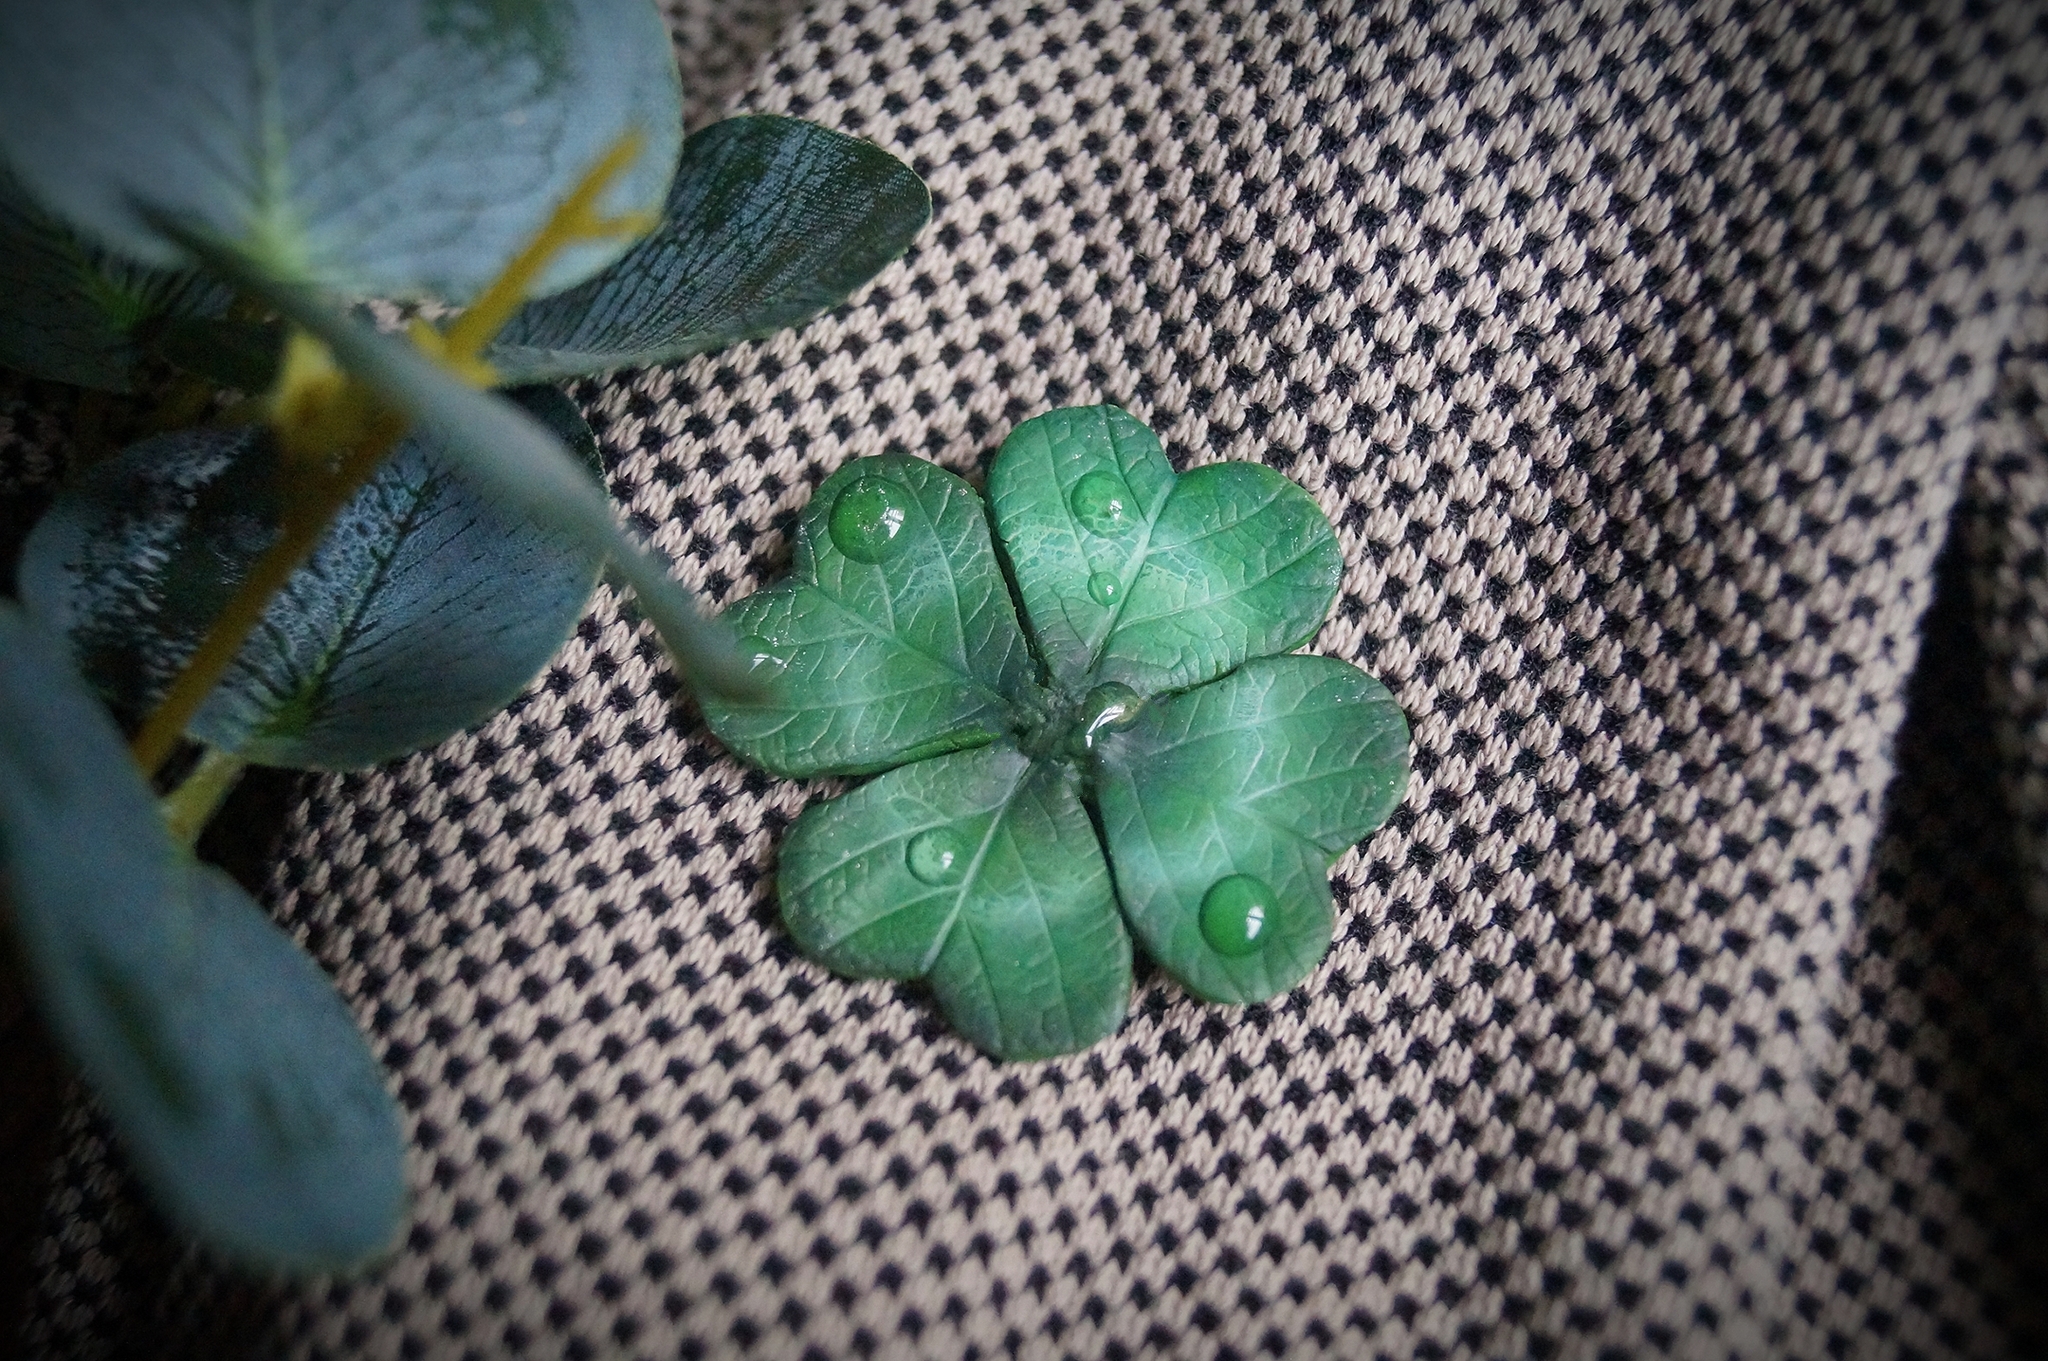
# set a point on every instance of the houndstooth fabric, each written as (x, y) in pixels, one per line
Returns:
(1673, 376)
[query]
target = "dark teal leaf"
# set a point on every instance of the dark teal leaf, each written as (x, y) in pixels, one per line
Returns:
(71, 312)
(395, 147)
(770, 221)
(892, 638)
(1131, 574)
(980, 872)
(1267, 775)
(426, 608)
(506, 454)
(236, 1080)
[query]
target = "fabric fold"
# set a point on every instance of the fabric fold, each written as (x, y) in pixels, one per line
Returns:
(1646, 357)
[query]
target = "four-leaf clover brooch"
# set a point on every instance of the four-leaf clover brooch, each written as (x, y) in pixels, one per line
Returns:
(1143, 756)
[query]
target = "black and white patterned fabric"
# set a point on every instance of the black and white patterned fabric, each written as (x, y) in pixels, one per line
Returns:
(1673, 374)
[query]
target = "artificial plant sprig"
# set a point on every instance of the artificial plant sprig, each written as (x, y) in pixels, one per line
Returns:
(414, 546)
(1138, 750)
(336, 422)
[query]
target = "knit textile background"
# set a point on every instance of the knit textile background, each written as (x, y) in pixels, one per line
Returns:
(1674, 377)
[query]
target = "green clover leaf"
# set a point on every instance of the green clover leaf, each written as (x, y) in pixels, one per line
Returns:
(893, 639)
(1142, 754)
(1129, 573)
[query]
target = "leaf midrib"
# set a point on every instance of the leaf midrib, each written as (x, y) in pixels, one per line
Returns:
(306, 697)
(1211, 602)
(271, 232)
(968, 880)
(1134, 566)
(974, 682)
(1250, 801)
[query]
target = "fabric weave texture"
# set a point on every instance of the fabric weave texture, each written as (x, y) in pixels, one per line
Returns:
(1674, 377)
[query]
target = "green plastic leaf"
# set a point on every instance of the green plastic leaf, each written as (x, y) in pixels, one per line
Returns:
(1267, 776)
(1131, 574)
(235, 1078)
(980, 872)
(771, 220)
(72, 312)
(1224, 782)
(892, 638)
(392, 147)
(425, 609)
(504, 453)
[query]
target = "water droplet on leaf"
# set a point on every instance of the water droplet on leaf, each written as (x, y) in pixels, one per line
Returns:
(1110, 707)
(1104, 588)
(761, 655)
(868, 517)
(1102, 504)
(1235, 912)
(937, 855)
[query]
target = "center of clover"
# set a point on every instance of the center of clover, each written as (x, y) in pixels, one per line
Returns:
(1069, 728)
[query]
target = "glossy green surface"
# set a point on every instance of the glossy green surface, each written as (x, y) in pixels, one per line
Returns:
(1234, 914)
(882, 661)
(235, 1079)
(392, 147)
(770, 221)
(425, 609)
(1224, 787)
(867, 519)
(938, 855)
(1273, 772)
(1131, 573)
(1020, 941)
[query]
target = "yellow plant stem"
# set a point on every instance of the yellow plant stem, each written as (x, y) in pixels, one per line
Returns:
(303, 528)
(188, 808)
(318, 410)
(575, 219)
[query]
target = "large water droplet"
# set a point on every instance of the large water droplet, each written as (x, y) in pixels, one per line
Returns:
(867, 519)
(937, 855)
(761, 656)
(1110, 707)
(1102, 504)
(1235, 914)
(1104, 588)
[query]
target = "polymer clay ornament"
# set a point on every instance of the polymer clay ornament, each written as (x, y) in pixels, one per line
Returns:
(1155, 686)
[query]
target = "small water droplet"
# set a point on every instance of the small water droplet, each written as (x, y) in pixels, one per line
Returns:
(1235, 913)
(867, 519)
(761, 655)
(1104, 588)
(1101, 503)
(937, 855)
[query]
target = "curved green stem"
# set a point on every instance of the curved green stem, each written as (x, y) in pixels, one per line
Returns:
(188, 808)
